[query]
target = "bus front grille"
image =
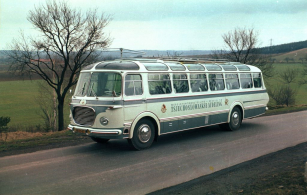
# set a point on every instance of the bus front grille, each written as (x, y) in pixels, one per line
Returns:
(84, 116)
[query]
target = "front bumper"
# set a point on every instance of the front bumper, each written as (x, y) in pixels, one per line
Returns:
(100, 133)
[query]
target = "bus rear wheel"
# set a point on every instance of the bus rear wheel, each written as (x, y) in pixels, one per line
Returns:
(235, 120)
(143, 135)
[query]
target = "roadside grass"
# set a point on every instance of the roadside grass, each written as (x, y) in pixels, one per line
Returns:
(273, 110)
(11, 141)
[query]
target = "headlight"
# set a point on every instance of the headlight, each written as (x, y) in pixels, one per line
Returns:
(104, 121)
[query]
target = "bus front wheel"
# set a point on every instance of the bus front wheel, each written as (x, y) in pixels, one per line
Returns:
(235, 120)
(143, 135)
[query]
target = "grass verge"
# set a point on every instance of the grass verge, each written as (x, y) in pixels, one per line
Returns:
(22, 142)
(273, 110)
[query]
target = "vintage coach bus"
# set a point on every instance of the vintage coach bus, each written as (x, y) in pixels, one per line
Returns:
(139, 100)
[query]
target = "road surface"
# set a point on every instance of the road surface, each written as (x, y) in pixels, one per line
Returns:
(114, 168)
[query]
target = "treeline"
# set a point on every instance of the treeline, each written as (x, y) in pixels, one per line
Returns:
(283, 48)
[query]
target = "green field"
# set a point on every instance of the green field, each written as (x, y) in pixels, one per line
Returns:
(271, 83)
(18, 101)
(17, 98)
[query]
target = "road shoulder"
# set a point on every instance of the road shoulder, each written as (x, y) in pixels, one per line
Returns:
(281, 172)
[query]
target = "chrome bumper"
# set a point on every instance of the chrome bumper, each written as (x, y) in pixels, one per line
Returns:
(88, 131)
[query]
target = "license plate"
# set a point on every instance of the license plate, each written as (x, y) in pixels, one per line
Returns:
(80, 131)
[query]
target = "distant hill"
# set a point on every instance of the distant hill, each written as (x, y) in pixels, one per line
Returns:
(292, 56)
(283, 48)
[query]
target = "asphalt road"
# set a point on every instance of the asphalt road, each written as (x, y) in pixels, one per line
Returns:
(116, 169)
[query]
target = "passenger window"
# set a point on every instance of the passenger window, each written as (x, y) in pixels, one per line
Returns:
(198, 82)
(159, 84)
(246, 81)
(133, 85)
(232, 81)
(257, 80)
(216, 82)
(180, 83)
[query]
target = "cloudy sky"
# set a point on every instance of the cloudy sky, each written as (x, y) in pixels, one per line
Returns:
(175, 24)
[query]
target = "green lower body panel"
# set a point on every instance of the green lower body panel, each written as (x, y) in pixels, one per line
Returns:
(190, 123)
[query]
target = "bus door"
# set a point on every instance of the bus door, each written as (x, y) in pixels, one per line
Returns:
(134, 97)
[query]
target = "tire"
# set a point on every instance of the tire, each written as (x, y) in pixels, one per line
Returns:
(143, 135)
(235, 120)
(100, 140)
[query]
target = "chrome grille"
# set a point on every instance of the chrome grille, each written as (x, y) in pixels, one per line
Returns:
(84, 116)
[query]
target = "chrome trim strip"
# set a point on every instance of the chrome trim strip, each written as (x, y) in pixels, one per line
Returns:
(254, 116)
(256, 106)
(193, 115)
(190, 128)
(134, 105)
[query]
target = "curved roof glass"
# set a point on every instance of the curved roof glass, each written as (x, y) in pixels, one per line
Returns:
(229, 67)
(155, 66)
(119, 65)
(175, 66)
(194, 67)
(213, 67)
(243, 67)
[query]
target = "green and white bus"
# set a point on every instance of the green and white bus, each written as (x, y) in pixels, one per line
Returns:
(139, 99)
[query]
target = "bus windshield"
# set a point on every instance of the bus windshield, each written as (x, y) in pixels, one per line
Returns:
(99, 84)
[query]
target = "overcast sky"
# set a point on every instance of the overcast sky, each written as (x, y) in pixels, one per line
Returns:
(175, 24)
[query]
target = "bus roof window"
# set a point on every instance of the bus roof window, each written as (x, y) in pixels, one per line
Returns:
(155, 66)
(213, 67)
(175, 66)
(243, 67)
(119, 65)
(195, 67)
(229, 67)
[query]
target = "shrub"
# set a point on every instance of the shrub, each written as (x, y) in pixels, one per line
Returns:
(283, 95)
(3, 123)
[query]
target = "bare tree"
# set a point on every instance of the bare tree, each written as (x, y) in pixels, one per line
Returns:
(283, 95)
(173, 54)
(67, 40)
(241, 46)
(289, 75)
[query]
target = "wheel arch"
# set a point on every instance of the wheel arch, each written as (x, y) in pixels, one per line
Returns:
(233, 105)
(150, 116)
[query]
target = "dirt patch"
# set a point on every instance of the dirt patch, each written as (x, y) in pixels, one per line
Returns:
(281, 172)
(18, 135)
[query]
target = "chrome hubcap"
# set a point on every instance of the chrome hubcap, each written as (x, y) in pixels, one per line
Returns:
(235, 118)
(144, 133)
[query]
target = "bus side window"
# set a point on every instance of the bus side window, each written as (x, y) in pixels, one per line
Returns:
(180, 83)
(216, 82)
(257, 80)
(246, 80)
(159, 84)
(198, 82)
(232, 81)
(133, 85)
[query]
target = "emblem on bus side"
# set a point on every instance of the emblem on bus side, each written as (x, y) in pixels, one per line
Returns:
(226, 101)
(83, 102)
(163, 109)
